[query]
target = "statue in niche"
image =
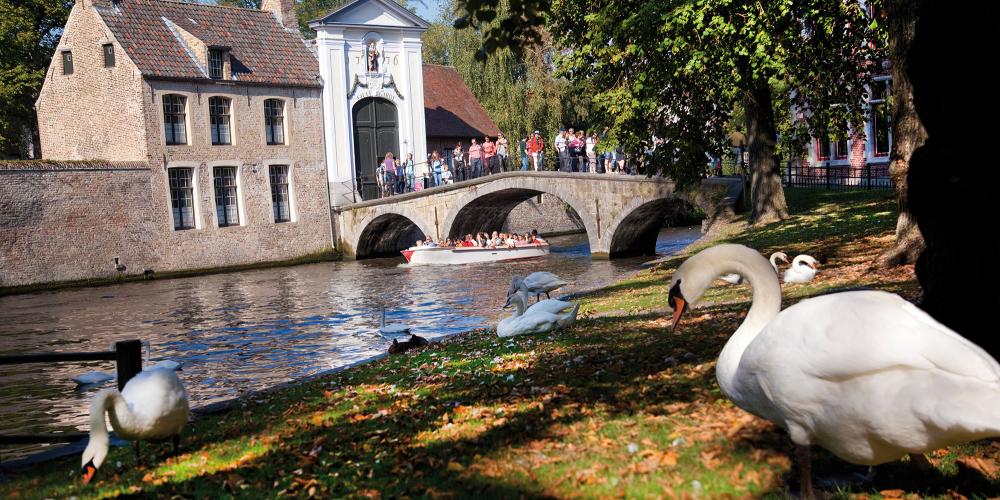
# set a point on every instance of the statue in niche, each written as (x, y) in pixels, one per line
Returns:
(374, 54)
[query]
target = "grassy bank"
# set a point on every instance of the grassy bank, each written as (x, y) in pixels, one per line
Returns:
(328, 255)
(615, 406)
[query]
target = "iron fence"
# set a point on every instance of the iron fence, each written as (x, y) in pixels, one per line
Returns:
(868, 176)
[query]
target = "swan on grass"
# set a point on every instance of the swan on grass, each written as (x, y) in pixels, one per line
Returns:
(551, 306)
(536, 284)
(802, 270)
(89, 379)
(153, 406)
(539, 321)
(736, 279)
(393, 330)
(864, 374)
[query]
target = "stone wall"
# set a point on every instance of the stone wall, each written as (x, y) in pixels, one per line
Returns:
(63, 221)
(550, 215)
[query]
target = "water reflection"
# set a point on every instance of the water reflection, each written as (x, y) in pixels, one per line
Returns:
(245, 331)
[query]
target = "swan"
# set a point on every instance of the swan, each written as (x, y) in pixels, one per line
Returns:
(552, 306)
(536, 283)
(91, 378)
(864, 374)
(736, 279)
(393, 330)
(802, 270)
(537, 322)
(94, 378)
(153, 406)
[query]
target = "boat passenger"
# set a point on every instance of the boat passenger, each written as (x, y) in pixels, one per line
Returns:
(468, 241)
(511, 242)
(430, 242)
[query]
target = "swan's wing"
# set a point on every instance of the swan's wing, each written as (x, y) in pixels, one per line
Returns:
(852, 334)
(535, 323)
(552, 306)
(543, 280)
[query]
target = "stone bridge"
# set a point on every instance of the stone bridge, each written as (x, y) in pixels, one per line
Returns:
(622, 215)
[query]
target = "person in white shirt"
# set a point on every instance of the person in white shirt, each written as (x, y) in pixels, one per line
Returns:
(561, 150)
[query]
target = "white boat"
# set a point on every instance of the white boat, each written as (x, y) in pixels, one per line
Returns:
(472, 255)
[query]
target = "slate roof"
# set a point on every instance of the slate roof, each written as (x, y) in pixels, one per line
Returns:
(450, 108)
(262, 51)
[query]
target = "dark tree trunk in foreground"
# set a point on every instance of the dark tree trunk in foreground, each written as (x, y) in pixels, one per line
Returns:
(767, 193)
(907, 133)
(952, 182)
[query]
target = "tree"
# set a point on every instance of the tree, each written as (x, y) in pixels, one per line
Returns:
(30, 33)
(898, 25)
(675, 70)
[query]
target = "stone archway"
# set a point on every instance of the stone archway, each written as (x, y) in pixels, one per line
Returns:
(376, 132)
(638, 226)
(386, 235)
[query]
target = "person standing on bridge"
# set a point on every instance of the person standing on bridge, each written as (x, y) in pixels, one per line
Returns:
(389, 167)
(476, 159)
(461, 172)
(522, 147)
(503, 151)
(535, 147)
(561, 149)
(436, 167)
(410, 177)
(489, 155)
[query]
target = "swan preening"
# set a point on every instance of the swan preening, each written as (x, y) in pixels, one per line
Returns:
(551, 315)
(536, 284)
(802, 270)
(152, 406)
(864, 374)
(393, 330)
(736, 279)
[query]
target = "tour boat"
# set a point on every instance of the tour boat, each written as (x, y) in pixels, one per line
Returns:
(472, 255)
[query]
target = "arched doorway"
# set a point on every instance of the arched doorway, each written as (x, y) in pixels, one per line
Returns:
(375, 133)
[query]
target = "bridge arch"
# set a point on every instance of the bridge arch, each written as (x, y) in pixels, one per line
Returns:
(487, 207)
(635, 229)
(386, 233)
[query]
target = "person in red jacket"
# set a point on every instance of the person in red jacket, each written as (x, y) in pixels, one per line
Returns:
(489, 155)
(535, 148)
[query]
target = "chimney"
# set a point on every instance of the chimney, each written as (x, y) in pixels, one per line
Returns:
(284, 10)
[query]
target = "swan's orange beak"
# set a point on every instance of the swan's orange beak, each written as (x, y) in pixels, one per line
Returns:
(88, 472)
(679, 306)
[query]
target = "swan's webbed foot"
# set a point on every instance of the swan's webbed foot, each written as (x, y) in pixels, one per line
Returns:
(921, 463)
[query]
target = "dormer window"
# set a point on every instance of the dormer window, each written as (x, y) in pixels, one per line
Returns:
(216, 63)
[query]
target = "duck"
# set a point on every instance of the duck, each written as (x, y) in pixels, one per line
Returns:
(393, 330)
(153, 406)
(802, 270)
(537, 322)
(398, 347)
(864, 374)
(536, 283)
(120, 266)
(736, 279)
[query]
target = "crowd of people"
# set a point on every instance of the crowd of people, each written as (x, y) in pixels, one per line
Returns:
(486, 240)
(576, 151)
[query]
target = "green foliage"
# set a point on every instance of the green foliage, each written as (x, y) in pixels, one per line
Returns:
(29, 33)
(517, 88)
(243, 4)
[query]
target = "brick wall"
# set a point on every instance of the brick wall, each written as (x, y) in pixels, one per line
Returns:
(63, 221)
(549, 216)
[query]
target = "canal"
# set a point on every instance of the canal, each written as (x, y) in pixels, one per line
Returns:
(240, 332)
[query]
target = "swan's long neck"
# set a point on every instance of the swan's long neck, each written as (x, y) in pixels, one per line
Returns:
(766, 304)
(774, 262)
(111, 402)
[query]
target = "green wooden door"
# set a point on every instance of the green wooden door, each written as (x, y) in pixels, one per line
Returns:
(376, 132)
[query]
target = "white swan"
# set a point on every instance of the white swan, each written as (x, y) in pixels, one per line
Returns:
(537, 322)
(864, 374)
(802, 270)
(95, 378)
(536, 283)
(394, 330)
(153, 406)
(736, 279)
(552, 306)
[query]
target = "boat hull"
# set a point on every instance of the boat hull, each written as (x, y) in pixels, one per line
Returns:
(471, 255)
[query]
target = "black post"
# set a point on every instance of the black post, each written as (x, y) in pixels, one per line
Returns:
(128, 359)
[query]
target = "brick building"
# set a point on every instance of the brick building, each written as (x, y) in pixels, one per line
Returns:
(216, 113)
(453, 113)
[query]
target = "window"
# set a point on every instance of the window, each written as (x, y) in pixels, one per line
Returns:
(823, 148)
(218, 110)
(109, 55)
(215, 64)
(279, 193)
(226, 201)
(67, 59)
(881, 118)
(182, 197)
(274, 121)
(174, 119)
(840, 149)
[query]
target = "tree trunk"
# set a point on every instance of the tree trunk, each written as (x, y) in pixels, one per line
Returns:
(766, 193)
(907, 133)
(950, 188)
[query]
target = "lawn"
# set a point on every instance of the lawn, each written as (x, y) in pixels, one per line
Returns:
(615, 406)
